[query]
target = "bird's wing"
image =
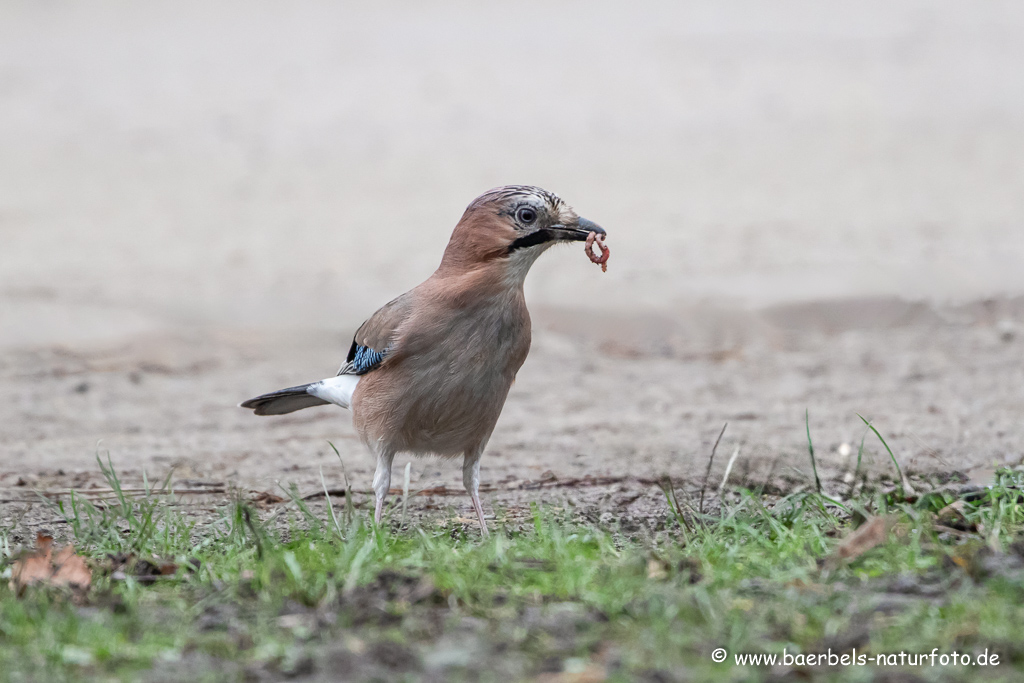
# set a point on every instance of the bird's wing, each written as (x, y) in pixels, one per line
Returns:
(375, 338)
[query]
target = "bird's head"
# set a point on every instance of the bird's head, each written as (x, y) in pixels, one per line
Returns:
(511, 226)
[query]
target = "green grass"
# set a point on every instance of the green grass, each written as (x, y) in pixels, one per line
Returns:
(323, 591)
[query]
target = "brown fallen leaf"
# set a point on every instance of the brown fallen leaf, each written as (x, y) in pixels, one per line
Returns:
(122, 566)
(42, 567)
(954, 516)
(265, 498)
(870, 534)
(70, 569)
(34, 567)
(657, 570)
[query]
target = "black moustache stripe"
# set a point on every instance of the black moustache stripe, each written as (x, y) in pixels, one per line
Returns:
(533, 239)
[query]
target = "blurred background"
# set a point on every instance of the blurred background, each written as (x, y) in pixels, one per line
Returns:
(284, 164)
(200, 201)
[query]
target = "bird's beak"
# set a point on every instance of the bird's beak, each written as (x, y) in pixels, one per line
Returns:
(578, 232)
(575, 232)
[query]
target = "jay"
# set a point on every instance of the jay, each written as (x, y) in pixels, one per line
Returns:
(428, 374)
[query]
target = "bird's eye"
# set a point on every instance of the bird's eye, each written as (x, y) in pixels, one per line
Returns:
(526, 215)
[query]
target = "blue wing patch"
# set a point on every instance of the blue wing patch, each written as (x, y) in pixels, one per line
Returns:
(366, 359)
(362, 359)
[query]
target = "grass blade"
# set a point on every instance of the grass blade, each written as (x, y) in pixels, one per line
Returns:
(856, 471)
(728, 470)
(350, 506)
(330, 505)
(810, 449)
(908, 490)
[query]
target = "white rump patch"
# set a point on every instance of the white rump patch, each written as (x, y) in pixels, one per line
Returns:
(337, 390)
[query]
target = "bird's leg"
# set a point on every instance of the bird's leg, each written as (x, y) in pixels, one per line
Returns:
(471, 480)
(382, 481)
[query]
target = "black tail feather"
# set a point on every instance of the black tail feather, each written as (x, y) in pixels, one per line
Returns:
(284, 401)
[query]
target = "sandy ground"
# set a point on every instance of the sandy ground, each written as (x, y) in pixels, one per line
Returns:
(810, 208)
(945, 386)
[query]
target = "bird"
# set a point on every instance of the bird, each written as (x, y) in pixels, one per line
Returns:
(429, 372)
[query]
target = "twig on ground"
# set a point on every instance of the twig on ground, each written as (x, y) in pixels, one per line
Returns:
(943, 529)
(707, 473)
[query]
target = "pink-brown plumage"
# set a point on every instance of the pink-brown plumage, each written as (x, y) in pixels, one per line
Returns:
(443, 356)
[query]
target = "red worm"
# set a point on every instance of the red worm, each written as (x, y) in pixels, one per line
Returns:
(602, 259)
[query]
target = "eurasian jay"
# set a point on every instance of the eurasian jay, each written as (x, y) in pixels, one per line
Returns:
(429, 372)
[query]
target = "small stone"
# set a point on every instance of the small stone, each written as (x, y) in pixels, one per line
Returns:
(1007, 330)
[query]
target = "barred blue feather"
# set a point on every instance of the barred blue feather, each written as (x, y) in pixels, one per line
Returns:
(362, 359)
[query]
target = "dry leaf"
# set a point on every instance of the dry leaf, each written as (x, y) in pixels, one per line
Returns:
(143, 571)
(871, 533)
(960, 562)
(265, 498)
(35, 567)
(954, 516)
(656, 569)
(70, 569)
(41, 567)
